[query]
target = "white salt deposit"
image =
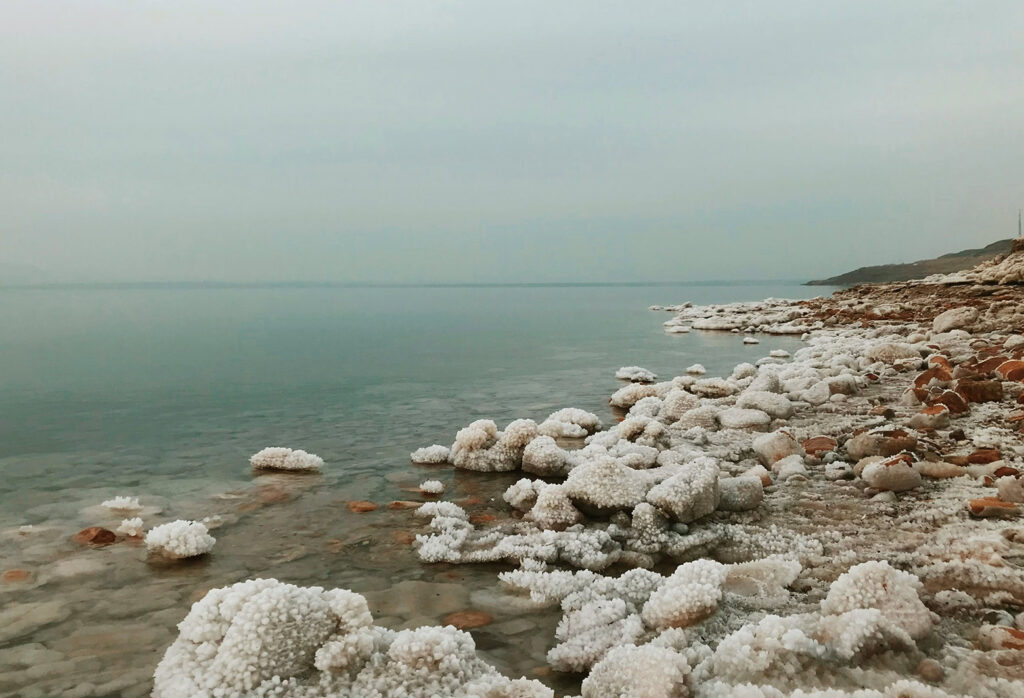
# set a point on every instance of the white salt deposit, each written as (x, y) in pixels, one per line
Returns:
(432, 486)
(122, 503)
(430, 455)
(286, 459)
(180, 539)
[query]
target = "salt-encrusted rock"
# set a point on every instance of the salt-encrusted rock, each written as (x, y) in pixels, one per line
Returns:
(885, 442)
(790, 466)
(776, 445)
(636, 374)
(677, 403)
(892, 352)
(432, 487)
(1000, 637)
(522, 494)
(543, 456)
(713, 387)
(955, 318)
(940, 469)
(751, 340)
(739, 418)
(553, 510)
(690, 494)
(1011, 488)
(877, 585)
(265, 638)
(760, 473)
(180, 539)
(121, 503)
(94, 535)
(775, 405)
(766, 381)
(569, 422)
(626, 396)
(648, 407)
(689, 596)
(696, 370)
(740, 493)
(933, 417)
(130, 527)
(285, 459)
(895, 474)
(603, 486)
(992, 507)
(647, 671)
(744, 370)
(430, 455)
(481, 447)
(817, 394)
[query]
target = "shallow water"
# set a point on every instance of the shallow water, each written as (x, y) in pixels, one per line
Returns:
(163, 393)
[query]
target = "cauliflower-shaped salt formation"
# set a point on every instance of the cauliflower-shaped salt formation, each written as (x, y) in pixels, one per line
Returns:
(677, 403)
(481, 447)
(430, 455)
(697, 370)
(603, 486)
(689, 596)
(279, 458)
(543, 456)
(875, 584)
(635, 374)
(130, 527)
(569, 423)
(180, 539)
(647, 671)
(553, 510)
(123, 504)
(690, 494)
(432, 487)
(628, 395)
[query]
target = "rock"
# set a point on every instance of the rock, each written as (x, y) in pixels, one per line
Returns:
(894, 474)
(954, 401)
(776, 446)
(15, 576)
(94, 535)
(1014, 341)
(760, 473)
(930, 670)
(361, 506)
(740, 493)
(891, 353)
(984, 456)
(790, 466)
(957, 318)
(1011, 370)
(775, 405)
(990, 507)
(979, 390)
(940, 469)
(17, 620)
(818, 445)
(880, 443)
(1000, 637)
(690, 494)
(932, 417)
(739, 418)
(464, 620)
(1011, 489)
(838, 470)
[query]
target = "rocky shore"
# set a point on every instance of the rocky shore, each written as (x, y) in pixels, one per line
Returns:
(842, 521)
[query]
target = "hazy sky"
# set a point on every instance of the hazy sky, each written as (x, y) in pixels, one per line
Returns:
(506, 141)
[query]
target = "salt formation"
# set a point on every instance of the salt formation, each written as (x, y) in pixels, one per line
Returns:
(130, 527)
(430, 455)
(266, 638)
(286, 459)
(123, 504)
(687, 597)
(432, 486)
(180, 539)
(570, 423)
(480, 446)
(636, 374)
(689, 494)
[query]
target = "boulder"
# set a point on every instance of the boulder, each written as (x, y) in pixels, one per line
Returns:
(776, 446)
(740, 418)
(740, 493)
(954, 319)
(895, 474)
(94, 535)
(880, 443)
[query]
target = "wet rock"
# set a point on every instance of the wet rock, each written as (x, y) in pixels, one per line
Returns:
(14, 576)
(984, 456)
(464, 620)
(17, 620)
(954, 401)
(94, 535)
(819, 445)
(361, 507)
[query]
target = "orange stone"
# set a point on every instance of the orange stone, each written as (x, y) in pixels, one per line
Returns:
(403, 537)
(361, 506)
(94, 535)
(1008, 367)
(464, 620)
(482, 518)
(820, 444)
(13, 576)
(984, 456)
(991, 506)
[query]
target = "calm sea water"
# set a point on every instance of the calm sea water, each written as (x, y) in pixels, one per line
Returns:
(164, 393)
(167, 390)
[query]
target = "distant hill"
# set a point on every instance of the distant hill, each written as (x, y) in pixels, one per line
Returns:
(946, 264)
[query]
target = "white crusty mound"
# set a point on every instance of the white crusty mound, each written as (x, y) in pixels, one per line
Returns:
(123, 504)
(130, 527)
(636, 374)
(180, 539)
(432, 486)
(278, 458)
(569, 423)
(263, 638)
(430, 455)
(481, 447)
(876, 584)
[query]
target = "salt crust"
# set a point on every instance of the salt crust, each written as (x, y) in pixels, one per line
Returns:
(286, 459)
(180, 539)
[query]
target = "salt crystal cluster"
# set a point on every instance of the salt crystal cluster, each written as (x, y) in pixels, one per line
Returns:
(180, 539)
(481, 447)
(122, 503)
(285, 459)
(636, 374)
(130, 527)
(432, 486)
(430, 455)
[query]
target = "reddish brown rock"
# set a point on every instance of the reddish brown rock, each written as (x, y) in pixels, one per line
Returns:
(936, 373)
(403, 537)
(882, 411)
(984, 456)
(940, 361)
(361, 506)
(989, 365)
(954, 401)
(272, 494)
(820, 444)
(482, 518)
(1001, 637)
(1005, 471)
(980, 390)
(15, 576)
(465, 620)
(990, 507)
(1011, 370)
(94, 535)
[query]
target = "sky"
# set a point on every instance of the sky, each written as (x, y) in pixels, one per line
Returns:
(504, 141)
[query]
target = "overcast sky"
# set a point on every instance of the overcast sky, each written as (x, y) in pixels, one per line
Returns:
(504, 141)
